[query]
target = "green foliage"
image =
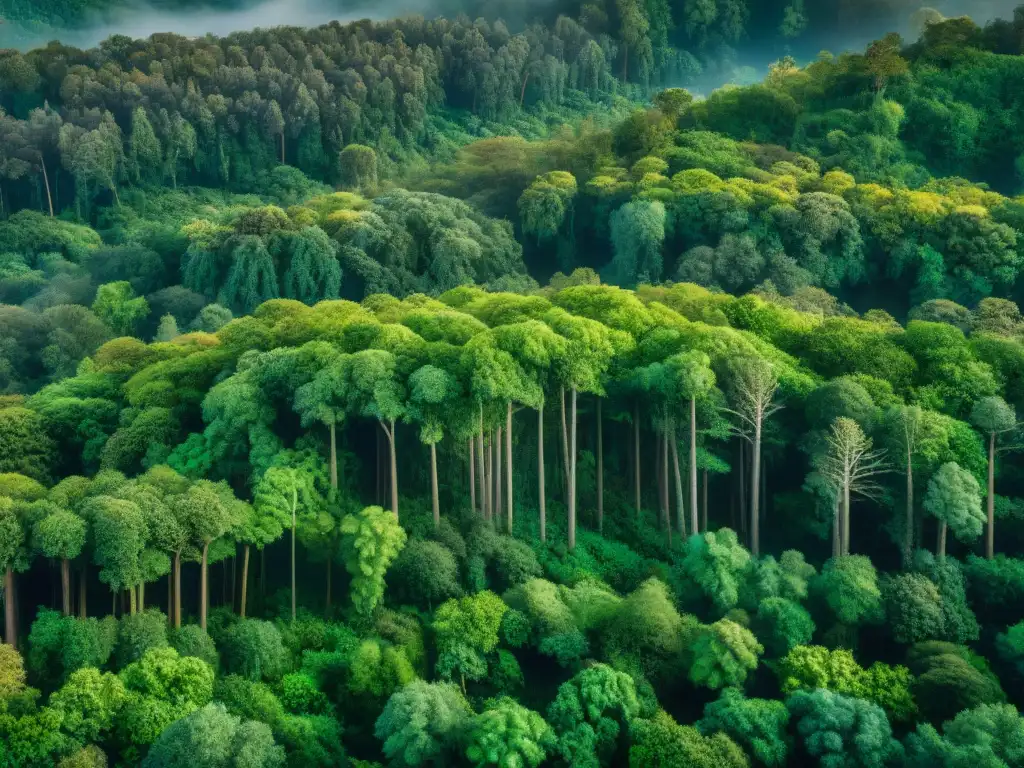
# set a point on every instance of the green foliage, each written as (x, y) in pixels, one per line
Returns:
(714, 563)
(254, 649)
(660, 742)
(782, 625)
(839, 730)
(590, 714)
(467, 630)
(210, 737)
(138, 634)
(425, 573)
(954, 498)
(421, 724)
(849, 587)
(118, 307)
(757, 725)
(723, 654)
(191, 640)
(990, 734)
(507, 734)
(370, 542)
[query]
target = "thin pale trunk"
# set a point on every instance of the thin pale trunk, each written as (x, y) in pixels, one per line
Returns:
(82, 584)
(499, 501)
(664, 482)
(433, 487)
(755, 493)
(132, 601)
(46, 183)
(836, 546)
(508, 465)
(177, 590)
(245, 580)
(65, 585)
(488, 486)
(565, 444)
(704, 504)
(657, 479)
(680, 509)
(522, 91)
(540, 473)
(394, 470)
(990, 533)
(483, 467)
(295, 506)
(202, 589)
(600, 469)
(472, 475)
(142, 596)
(334, 456)
(572, 474)
(10, 628)
(941, 547)
(743, 486)
(846, 516)
(908, 537)
(693, 466)
(117, 198)
(380, 472)
(636, 454)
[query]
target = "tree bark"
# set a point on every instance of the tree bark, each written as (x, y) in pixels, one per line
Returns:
(837, 549)
(693, 466)
(202, 588)
(82, 585)
(499, 506)
(334, 456)
(908, 537)
(755, 493)
(508, 465)
(636, 454)
(483, 466)
(295, 505)
(565, 445)
(941, 548)
(10, 621)
(680, 508)
(434, 500)
(846, 516)
(46, 183)
(142, 596)
(65, 584)
(743, 486)
(380, 471)
(990, 533)
(394, 470)
(170, 598)
(540, 473)
(600, 469)
(245, 580)
(488, 489)
(522, 91)
(177, 590)
(472, 475)
(572, 475)
(664, 482)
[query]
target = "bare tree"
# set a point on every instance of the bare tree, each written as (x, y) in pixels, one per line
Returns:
(905, 426)
(753, 385)
(851, 464)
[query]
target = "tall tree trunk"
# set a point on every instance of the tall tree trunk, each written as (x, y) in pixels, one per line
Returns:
(132, 602)
(435, 501)
(600, 469)
(572, 475)
(565, 446)
(499, 460)
(908, 535)
(657, 478)
(142, 596)
(693, 466)
(522, 91)
(755, 493)
(837, 548)
(488, 486)
(394, 470)
(846, 516)
(334, 456)
(170, 598)
(743, 486)
(46, 183)
(680, 508)
(664, 482)
(245, 580)
(472, 475)
(508, 465)
(202, 588)
(636, 454)
(65, 584)
(941, 547)
(540, 473)
(177, 590)
(82, 586)
(990, 533)
(483, 467)
(704, 504)
(295, 506)
(10, 621)
(282, 147)
(380, 470)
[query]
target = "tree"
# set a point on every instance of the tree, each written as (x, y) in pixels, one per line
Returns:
(146, 152)
(839, 730)
(425, 573)
(715, 563)
(507, 734)
(212, 738)
(281, 493)
(313, 273)
(432, 392)
(421, 723)
(358, 165)
(89, 703)
(119, 538)
(467, 630)
(994, 417)
(12, 540)
(954, 499)
(167, 330)
(637, 233)
(207, 511)
(118, 307)
(752, 384)
(783, 624)
(370, 542)
(757, 725)
(851, 466)
(61, 535)
(723, 654)
(990, 734)
(849, 586)
(12, 671)
(884, 61)
(693, 379)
